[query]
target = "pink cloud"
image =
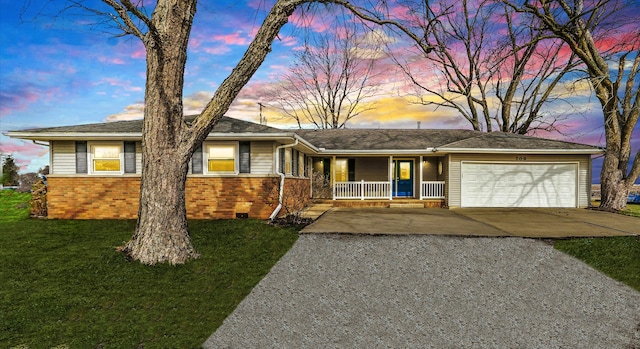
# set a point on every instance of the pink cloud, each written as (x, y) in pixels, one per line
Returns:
(22, 149)
(111, 60)
(124, 84)
(139, 53)
(232, 39)
(66, 68)
(218, 50)
(195, 43)
(305, 20)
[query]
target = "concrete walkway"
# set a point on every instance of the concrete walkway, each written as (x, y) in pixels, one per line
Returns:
(429, 291)
(539, 223)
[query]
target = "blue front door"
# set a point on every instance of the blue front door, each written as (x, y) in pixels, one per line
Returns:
(403, 178)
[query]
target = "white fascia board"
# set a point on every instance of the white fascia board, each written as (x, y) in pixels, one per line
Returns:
(38, 136)
(263, 137)
(378, 152)
(95, 136)
(519, 151)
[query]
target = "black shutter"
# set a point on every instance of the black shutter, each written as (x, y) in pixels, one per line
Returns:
(129, 157)
(196, 160)
(282, 161)
(294, 162)
(305, 166)
(351, 169)
(245, 157)
(81, 157)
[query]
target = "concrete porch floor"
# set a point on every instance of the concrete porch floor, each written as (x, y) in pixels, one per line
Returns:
(523, 222)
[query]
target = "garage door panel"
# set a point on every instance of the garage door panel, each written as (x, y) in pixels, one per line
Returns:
(518, 185)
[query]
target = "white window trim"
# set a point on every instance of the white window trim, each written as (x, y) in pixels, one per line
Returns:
(205, 156)
(90, 157)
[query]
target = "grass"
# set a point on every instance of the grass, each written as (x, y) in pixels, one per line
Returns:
(14, 206)
(632, 210)
(63, 284)
(617, 257)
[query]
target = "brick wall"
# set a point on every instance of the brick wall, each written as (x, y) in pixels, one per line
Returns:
(90, 197)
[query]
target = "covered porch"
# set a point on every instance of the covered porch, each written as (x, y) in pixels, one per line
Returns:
(379, 178)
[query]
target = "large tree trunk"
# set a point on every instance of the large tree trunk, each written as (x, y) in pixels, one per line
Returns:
(161, 233)
(614, 187)
(168, 142)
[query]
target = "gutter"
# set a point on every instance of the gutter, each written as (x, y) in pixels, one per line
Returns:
(275, 212)
(35, 141)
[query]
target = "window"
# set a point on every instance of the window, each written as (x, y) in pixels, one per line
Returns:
(302, 165)
(341, 170)
(221, 158)
(106, 158)
(287, 161)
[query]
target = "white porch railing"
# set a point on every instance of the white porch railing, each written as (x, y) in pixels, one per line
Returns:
(362, 190)
(432, 190)
(382, 190)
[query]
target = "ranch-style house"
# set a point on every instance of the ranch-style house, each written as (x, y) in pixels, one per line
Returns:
(241, 167)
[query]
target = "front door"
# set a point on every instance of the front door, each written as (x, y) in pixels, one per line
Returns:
(403, 178)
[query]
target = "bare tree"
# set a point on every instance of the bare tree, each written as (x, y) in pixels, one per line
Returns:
(494, 81)
(330, 79)
(527, 68)
(617, 88)
(168, 140)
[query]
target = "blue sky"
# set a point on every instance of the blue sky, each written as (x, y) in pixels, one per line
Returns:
(63, 70)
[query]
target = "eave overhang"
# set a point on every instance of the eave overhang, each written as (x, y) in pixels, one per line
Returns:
(285, 137)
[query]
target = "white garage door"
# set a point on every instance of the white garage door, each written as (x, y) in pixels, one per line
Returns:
(518, 185)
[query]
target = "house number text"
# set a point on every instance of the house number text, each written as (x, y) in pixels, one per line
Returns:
(521, 158)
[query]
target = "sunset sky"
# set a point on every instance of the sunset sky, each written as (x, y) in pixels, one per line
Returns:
(64, 70)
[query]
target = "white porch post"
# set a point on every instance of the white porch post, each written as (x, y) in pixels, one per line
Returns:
(391, 177)
(333, 175)
(421, 170)
(310, 174)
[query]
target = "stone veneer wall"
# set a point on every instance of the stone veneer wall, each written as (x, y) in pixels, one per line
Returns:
(92, 197)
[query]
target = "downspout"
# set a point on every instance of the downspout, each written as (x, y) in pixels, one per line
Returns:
(282, 175)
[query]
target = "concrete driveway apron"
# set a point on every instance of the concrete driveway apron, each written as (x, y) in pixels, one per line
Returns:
(540, 223)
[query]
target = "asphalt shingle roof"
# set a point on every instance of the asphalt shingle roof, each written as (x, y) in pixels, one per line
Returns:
(397, 139)
(352, 139)
(225, 125)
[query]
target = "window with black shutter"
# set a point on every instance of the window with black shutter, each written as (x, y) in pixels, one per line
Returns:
(295, 163)
(129, 157)
(282, 161)
(245, 157)
(196, 161)
(81, 157)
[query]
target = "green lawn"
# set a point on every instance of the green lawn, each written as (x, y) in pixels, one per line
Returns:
(617, 257)
(14, 206)
(63, 284)
(633, 210)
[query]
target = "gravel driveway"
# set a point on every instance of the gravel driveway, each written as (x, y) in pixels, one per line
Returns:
(424, 291)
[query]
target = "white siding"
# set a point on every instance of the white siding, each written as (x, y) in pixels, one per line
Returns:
(455, 160)
(262, 158)
(63, 157)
